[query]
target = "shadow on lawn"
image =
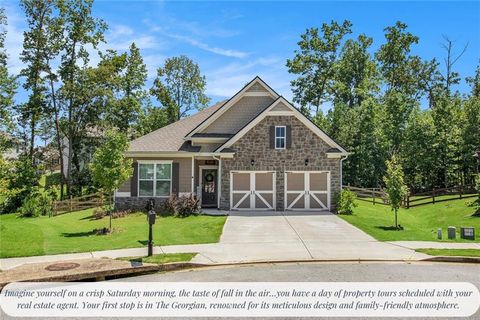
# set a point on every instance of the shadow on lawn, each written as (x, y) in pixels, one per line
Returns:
(79, 234)
(390, 228)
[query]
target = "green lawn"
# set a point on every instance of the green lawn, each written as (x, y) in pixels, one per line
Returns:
(72, 232)
(420, 223)
(162, 258)
(451, 252)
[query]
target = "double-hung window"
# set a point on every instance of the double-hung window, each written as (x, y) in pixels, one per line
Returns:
(280, 137)
(155, 179)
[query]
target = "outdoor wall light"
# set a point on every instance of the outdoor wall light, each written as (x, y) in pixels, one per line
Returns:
(252, 162)
(306, 162)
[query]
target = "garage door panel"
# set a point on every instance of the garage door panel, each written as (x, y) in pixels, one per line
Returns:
(253, 190)
(295, 181)
(319, 181)
(241, 200)
(241, 181)
(263, 201)
(264, 181)
(308, 190)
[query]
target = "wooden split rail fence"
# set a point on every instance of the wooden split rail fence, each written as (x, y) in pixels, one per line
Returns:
(379, 196)
(79, 203)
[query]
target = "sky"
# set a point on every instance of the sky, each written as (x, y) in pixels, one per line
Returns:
(234, 41)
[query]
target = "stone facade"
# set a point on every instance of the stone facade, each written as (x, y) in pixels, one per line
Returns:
(137, 203)
(255, 145)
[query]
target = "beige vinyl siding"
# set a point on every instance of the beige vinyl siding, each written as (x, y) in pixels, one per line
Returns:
(126, 186)
(239, 114)
(281, 107)
(257, 87)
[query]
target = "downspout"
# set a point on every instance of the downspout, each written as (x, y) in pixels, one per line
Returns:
(219, 185)
(341, 171)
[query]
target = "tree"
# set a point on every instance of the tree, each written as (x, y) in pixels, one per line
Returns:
(8, 84)
(129, 76)
(80, 30)
(475, 83)
(151, 118)
(180, 87)
(315, 62)
(400, 72)
(394, 186)
(109, 167)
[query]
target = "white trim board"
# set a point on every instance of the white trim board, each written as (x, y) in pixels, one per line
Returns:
(296, 114)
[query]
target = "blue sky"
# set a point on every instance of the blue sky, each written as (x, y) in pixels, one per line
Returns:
(234, 41)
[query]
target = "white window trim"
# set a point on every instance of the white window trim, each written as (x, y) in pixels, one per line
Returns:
(154, 162)
(284, 137)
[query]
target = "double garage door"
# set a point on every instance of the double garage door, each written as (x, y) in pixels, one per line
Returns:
(256, 190)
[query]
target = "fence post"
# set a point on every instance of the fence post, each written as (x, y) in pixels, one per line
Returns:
(433, 196)
(461, 191)
(408, 200)
(373, 196)
(70, 203)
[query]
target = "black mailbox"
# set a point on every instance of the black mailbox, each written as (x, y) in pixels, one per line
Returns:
(151, 217)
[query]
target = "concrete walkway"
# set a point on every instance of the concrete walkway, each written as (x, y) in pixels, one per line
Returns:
(274, 236)
(436, 245)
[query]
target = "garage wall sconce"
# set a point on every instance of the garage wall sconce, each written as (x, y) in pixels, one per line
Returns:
(306, 162)
(252, 162)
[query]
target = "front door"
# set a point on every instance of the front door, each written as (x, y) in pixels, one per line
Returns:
(209, 188)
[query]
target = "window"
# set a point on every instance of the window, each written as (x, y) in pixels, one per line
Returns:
(280, 137)
(154, 179)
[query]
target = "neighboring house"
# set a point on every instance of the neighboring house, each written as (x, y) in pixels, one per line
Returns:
(47, 157)
(255, 151)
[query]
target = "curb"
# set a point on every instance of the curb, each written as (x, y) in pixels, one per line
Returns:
(453, 259)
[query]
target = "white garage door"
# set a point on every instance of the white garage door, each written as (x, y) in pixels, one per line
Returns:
(307, 190)
(252, 190)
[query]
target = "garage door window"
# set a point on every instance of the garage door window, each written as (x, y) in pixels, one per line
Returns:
(155, 179)
(280, 137)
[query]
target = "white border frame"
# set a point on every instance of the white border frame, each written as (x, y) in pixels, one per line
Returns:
(252, 190)
(154, 162)
(200, 180)
(306, 191)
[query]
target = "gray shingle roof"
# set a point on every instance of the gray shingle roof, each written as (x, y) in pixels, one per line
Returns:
(170, 138)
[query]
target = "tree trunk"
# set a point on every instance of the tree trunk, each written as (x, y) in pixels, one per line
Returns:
(396, 220)
(58, 138)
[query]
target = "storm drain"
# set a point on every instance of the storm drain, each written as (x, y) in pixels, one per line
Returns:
(62, 266)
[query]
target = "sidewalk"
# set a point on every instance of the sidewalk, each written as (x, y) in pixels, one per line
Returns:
(436, 245)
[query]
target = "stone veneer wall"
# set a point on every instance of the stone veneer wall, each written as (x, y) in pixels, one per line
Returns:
(255, 145)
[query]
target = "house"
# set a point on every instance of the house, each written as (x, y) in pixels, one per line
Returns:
(255, 151)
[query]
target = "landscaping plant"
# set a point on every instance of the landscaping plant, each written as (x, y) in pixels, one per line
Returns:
(109, 167)
(346, 201)
(394, 186)
(36, 204)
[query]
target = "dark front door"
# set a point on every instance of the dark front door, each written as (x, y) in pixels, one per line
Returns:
(209, 187)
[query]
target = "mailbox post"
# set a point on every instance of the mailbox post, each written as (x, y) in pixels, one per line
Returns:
(151, 221)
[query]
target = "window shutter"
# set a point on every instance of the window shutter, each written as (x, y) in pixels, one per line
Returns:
(134, 180)
(272, 137)
(288, 136)
(175, 178)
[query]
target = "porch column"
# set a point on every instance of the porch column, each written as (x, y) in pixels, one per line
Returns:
(219, 181)
(193, 175)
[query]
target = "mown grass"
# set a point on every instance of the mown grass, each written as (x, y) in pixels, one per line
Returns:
(451, 252)
(419, 223)
(162, 258)
(73, 232)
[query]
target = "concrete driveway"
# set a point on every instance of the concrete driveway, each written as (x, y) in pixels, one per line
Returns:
(278, 236)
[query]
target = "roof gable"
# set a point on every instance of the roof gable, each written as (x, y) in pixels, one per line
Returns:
(278, 107)
(255, 88)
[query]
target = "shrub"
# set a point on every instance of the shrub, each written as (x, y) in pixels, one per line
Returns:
(36, 204)
(346, 201)
(187, 206)
(120, 214)
(182, 207)
(99, 213)
(52, 179)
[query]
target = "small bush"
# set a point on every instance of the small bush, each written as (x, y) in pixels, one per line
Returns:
(52, 179)
(120, 214)
(346, 201)
(37, 204)
(99, 213)
(180, 206)
(187, 206)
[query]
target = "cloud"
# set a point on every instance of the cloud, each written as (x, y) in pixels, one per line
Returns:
(227, 80)
(206, 47)
(14, 39)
